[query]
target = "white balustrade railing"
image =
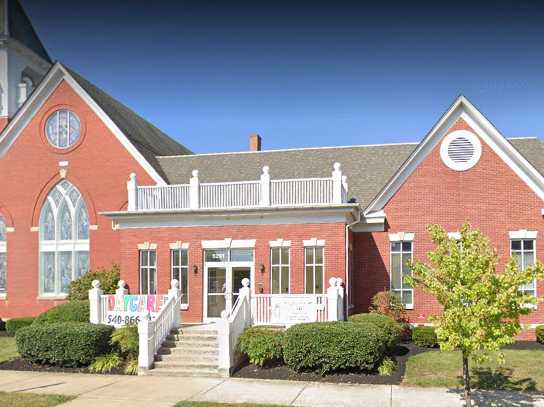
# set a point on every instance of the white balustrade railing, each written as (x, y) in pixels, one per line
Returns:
(240, 194)
(293, 192)
(230, 195)
(289, 309)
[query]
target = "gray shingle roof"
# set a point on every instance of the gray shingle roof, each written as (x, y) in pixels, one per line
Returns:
(21, 29)
(368, 168)
(148, 139)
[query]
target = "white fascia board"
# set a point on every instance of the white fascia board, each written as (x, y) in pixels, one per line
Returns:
(461, 108)
(523, 234)
(401, 237)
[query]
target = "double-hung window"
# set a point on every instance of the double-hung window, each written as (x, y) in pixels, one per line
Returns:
(314, 269)
(401, 257)
(179, 262)
(148, 271)
(523, 250)
(280, 270)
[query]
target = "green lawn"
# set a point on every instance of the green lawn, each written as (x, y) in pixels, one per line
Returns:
(208, 404)
(8, 349)
(522, 370)
(31, 400)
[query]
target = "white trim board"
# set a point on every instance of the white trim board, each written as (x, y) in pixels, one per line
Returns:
(461, 109)
(52, 80)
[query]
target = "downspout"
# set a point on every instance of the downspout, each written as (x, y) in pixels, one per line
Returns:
(346, 239)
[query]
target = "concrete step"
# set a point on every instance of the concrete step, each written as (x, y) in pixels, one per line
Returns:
(176, 372)
(188, 358)
(193, 365)
(195, 337)
(207, 351)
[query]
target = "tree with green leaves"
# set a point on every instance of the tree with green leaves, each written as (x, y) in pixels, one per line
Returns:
(481, 306)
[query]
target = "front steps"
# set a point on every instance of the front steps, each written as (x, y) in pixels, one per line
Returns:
(189, 351)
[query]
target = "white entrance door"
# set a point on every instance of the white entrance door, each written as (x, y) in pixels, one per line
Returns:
(222, 280)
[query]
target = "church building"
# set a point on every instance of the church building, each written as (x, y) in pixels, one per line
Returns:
(85, 183)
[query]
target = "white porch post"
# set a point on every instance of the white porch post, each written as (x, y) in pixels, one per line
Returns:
(145, 348)
(132, 189)
(265, 186)
(332, 300)
(341, 292)
(194, 191)
(22, 93)
(174, 292)
(337, 184)
(95, 306)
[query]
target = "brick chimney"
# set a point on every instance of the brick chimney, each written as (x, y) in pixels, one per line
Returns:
(255, 142)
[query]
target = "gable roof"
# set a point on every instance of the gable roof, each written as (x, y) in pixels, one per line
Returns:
(369, 168)
(150, 141)
(20, 28)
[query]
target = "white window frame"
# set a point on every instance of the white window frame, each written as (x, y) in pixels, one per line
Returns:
(58, 246)
(280, 265)
(313, 247)
(148, 267)
(401, 238)
(180, 268)
(4, 252)
(521, 237)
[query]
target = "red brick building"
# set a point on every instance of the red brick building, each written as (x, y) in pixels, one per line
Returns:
(85, 182)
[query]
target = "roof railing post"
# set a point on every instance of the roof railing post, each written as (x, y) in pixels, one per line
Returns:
(194, 191)
(265, 186)
(337, 184)
(132, 189)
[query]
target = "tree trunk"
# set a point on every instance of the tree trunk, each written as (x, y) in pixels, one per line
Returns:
(466, 380)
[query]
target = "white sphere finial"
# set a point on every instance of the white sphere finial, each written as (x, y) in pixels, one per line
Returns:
(95, 284)
(195, 173)
(121, 284)
(174, 283)
(337, 166)
(132, 176)
(266, 169)
(332, 281)
(245, 282)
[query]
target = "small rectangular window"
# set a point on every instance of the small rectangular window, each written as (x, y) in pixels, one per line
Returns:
(314, 270)
(523, 251)
(280, 270)
(180, 271)
(401, 256)
(148, 272)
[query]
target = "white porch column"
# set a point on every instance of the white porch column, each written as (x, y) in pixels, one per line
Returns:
(132, 189)
(95, 305)
(174, 292)
(265, 186)
(337, 184)
(194, 191)
(332, 300)
(145, 348)
(341, 292)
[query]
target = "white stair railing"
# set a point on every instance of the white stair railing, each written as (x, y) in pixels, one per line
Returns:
(152, 333)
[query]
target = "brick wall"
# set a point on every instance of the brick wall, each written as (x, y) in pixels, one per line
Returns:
(99, 167)
(490, 196)
(333, 234)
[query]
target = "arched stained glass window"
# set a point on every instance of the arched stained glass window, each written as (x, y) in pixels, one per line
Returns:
(64, 239)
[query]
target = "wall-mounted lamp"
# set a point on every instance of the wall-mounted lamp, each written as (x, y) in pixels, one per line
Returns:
(195, 269)
(261, 268)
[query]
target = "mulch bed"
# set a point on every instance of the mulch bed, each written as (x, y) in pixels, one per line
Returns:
(282, 372)
(23, 365)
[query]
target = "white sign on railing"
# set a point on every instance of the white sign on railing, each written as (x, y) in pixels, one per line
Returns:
(129, 309)
(290, 309)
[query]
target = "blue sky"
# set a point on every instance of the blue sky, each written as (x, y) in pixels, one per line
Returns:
(209, 73)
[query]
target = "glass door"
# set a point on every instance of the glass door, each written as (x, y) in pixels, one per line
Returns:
(216, 286)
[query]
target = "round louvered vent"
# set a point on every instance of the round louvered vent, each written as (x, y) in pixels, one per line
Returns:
(460, 150)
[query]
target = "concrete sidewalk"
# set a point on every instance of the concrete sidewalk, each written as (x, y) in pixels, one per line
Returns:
(106, 391)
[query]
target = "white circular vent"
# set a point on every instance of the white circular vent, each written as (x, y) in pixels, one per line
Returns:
(460, 150)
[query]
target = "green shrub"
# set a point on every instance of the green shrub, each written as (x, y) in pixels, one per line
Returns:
(106, 363)
(126, 340)
(387, 303)
(539, 332)
(261, 345)
(387, 367)
(14, 324)
(392, 330)
(424, 336)
(132, 366)
(330, 346)
(67, 344)
(74, 311)
(79, 289)
(2, 325)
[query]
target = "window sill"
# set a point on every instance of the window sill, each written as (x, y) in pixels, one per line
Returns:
(53, 297)
(409, 306)
(3, 296)
(184, 307)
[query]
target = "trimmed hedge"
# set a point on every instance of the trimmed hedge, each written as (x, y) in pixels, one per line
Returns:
(330, 346)
(539, 332)
(424, 336)
(67, 344)
(261, 345)
(74, 311)
(392, 330)
(14, 324)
